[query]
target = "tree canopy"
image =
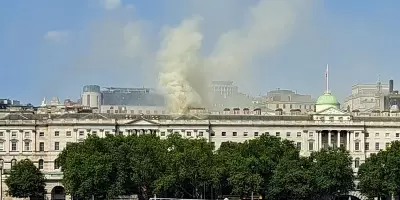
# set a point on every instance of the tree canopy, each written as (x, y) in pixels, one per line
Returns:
(25, 180)
(190, 168)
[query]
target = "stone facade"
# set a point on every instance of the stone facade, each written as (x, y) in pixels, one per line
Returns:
(41, 137)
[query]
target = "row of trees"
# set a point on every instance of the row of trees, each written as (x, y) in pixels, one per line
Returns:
(190, 168)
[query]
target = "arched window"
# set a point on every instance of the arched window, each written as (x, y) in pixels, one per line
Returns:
(357, 163)
(41, 164)
(13, 162)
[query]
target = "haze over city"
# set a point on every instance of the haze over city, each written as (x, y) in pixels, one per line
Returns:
(51, 48)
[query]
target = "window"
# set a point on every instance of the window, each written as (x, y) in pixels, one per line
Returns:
(1, 134)
(377, 146)
(341, 119)
(387, 145)
(287, 134)
(212, 133)
(41, 146)
(311, 134)
(255, 134)
(278, 134)
(188, 133)
(311, 146)
(357, 146)
(41, 164)
(57, 133)
(245, 134)
(107, 132)
(357, 163)
(376, 134)
(234, 134)
(266, 133)
(94, 133)
(397, 134)
(56, 164)
(13, 146)
(27, 134)
(68, 133)
(298, 134)
(201, 133)
(1, 146)
(331, 119)
(56, 146)
(357, 134)
(366, 134)
(27, 146)
(367, 146)
(81, 133)
(387, 135)
(41, 134)
(213, 145)
(13, 134)
(298, 145)
(162, 133)
(68, 143)
(13, 162)
(223, 134)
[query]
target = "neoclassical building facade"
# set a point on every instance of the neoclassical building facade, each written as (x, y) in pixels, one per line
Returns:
(41, 137)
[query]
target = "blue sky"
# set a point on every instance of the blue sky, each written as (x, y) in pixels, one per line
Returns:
(52, 48)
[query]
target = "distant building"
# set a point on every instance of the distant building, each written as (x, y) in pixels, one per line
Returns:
(287, 101)
(367, 97)
(223, 94)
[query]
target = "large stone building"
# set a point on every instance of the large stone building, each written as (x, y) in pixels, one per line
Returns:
(41, 137)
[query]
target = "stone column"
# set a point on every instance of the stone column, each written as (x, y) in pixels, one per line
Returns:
(338, 139)
(319, 134)
(329, 138)
(348, 140)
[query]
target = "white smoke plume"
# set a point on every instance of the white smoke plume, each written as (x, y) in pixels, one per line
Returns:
(181, 74)
(268, 25)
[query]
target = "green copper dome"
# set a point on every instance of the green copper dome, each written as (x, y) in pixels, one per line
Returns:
(327, 99)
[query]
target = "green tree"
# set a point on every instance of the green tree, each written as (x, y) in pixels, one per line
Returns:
(25, 180)
(333, 172)
(189, 168)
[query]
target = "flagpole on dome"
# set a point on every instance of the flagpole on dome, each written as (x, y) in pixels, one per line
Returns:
(327, 78)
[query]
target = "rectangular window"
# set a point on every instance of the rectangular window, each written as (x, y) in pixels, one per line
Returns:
(201, 133)
(13, 134)
(1, 134)
(310, 134)
(68, 133)
(234, 134)
(162, 133)
(41, 146)
(397, 135)
(13, 146)
(357, 146)
(387, 135)
(377, 146)
(56, 164)
(387, 145)
(41, 134)
(81, 133)
(298, 145)
(298, 134)
(357, 134)
(94, 133)
(376, 134)
(311, 146)
(56, 146)
(255, 134)
(27, 134)
(278, 134)
(287, 134)
(212, 133)
(223, 134)
(266, 133)
(57, 133)
(188, 133)
(366, 135)
(1, 146)
(367, 146)
(27, 146)
(245, 134)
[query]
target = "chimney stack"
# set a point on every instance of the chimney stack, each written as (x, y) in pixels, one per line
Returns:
(390, 86)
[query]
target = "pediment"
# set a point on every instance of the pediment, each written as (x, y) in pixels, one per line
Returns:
(142, 121)
(331, 111)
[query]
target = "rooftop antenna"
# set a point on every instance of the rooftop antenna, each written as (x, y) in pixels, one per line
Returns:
(327, 78)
